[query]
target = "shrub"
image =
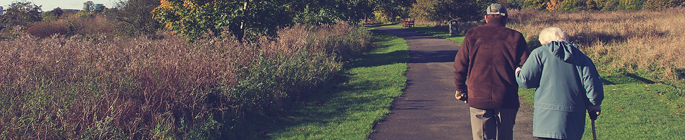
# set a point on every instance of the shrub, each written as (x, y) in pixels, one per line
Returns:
(631, 4)
(134, 17)
(655, 4)
(88, 24)
(516, 4)
(45, 29)
(571, 6)
(535, 4)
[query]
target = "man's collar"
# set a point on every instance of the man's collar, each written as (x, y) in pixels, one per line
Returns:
(495, 24)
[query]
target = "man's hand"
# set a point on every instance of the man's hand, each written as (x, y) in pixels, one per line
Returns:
(518, 69)
(461, 96)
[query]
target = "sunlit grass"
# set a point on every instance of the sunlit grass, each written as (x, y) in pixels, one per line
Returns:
(351, 108)
(636, 111)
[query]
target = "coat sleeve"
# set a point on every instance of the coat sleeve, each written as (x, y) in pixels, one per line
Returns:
(461, 66)
(531, 71)
(592, 82)
(522, 50)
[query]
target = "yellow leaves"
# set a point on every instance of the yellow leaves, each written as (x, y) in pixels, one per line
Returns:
(165, 4)
(168, 25)
(302, 129)
(188, 4)
(552, 5)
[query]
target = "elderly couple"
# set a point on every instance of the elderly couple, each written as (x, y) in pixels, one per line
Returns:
(494, 62)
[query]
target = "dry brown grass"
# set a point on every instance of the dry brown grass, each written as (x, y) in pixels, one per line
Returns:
(640, 41)
(104, 88)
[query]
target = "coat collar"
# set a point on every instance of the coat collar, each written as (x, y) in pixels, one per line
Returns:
(496, 24)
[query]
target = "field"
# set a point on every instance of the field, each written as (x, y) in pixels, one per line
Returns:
(639, 56)
(646, 43)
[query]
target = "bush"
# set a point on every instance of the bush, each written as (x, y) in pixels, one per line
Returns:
(68, 88)
(571, 6)
(87, 24)
(631, 4)
(134, 17)
(655, 4)
(516, 4)
(535, 4)
(45, 29)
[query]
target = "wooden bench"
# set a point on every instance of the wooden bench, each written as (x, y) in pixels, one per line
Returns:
(408, 23)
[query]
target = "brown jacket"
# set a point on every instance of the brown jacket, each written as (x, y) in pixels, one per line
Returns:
(486, 62)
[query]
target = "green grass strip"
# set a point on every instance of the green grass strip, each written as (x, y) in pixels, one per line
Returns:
(349, 110)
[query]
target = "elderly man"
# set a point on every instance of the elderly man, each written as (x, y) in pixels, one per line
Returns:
(567, 84)
(484, 75)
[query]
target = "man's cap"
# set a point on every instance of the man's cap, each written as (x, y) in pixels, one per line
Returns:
(496, 9)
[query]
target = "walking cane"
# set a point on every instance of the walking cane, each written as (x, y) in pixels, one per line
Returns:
(593, 117)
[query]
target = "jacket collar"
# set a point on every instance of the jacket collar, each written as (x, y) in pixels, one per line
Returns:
(497, 24)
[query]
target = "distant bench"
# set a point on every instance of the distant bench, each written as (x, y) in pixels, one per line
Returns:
(409, 22)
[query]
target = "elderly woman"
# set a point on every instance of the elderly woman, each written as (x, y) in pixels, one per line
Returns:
(567, 83)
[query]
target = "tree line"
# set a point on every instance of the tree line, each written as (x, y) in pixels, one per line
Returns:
(246, 19)
(594, 5)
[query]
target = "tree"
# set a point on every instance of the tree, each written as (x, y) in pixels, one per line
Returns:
(57, 12)
(89, 6)
(571, 6)
(393, 8)
(444, 10)
(249, 18)
(317, 12)
(21, 13)
(535, 4)
(193, 18)
(52, 15)
(99, 9)
(136, 17)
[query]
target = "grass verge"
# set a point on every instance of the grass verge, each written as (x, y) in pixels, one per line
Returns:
(350, 108)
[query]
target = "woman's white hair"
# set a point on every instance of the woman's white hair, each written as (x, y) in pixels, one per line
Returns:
(550, 34)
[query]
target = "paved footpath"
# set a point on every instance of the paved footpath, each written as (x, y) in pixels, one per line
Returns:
(428, 110)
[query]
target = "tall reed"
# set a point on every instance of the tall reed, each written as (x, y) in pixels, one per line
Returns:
(103, 88)
(632, 41)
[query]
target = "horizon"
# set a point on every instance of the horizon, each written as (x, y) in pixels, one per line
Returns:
(48, 5)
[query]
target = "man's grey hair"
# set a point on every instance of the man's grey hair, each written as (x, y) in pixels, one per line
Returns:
(550, 34)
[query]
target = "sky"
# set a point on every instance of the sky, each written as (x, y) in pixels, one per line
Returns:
(64, 4)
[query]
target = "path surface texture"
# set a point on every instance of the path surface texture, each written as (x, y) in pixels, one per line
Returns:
(428, 109)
